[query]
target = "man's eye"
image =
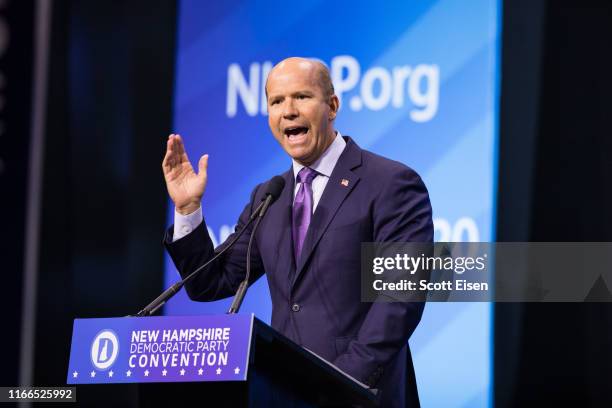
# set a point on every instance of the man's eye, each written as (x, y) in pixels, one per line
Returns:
(302, 96)
(274, 102)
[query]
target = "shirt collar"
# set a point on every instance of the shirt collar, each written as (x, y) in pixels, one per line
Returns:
(326, 163)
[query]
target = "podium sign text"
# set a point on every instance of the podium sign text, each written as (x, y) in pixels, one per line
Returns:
(160, 349)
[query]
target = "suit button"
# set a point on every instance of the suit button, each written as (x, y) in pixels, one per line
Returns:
(295, 307)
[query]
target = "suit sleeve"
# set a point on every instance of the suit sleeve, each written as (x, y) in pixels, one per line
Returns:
(402, 213)
(222, 277)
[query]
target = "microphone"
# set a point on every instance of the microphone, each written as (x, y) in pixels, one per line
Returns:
(275, 187)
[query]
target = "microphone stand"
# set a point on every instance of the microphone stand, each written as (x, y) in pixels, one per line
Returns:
(158, 302)
(241, 292)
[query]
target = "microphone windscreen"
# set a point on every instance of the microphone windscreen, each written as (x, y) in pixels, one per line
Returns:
(275, 187)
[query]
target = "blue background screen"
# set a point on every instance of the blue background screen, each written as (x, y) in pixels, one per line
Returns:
(418, 83)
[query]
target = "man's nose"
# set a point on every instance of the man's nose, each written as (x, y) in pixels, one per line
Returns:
(289, 110)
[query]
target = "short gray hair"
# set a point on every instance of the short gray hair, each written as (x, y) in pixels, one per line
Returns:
(325, 79)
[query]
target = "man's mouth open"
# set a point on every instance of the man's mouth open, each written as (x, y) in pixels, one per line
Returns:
(296, 134)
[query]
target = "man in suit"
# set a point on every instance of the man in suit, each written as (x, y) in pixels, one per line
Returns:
(336, 196)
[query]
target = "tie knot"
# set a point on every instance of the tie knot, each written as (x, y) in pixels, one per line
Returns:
(306, 175)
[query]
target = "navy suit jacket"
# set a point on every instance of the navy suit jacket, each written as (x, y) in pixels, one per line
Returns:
(316, 300)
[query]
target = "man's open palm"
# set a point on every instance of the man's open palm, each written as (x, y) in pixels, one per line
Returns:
(185, 187)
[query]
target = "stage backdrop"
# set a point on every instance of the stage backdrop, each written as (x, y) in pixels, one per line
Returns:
(418, 83)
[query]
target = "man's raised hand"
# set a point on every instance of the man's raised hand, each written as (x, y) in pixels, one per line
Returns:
(185, 187)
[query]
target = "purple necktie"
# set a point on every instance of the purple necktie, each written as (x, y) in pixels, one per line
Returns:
(302, 209)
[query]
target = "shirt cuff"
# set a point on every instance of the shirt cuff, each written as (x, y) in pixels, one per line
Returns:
(184, 224)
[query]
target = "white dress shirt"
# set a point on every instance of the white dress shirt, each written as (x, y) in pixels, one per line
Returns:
(184, 224)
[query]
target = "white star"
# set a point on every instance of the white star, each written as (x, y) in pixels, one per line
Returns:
(110, 373)
(146, 373)
(93, 374)
(75, 374)
(236, 370)
(128, 373)
(218, 370)
(164, 372)
(200, 371)
(182, 371)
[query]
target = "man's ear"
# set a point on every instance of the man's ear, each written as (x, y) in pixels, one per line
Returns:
(334, 105)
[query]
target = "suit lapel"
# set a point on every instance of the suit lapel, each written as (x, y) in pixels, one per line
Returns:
(340, 184)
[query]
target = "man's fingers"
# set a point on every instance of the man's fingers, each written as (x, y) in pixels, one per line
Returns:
(179, 148)
(203, 166)
(170, 158)
(176, 156)
(178, 142)
(173, 157)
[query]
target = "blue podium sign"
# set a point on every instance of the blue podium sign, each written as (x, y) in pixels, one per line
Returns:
(160, 349)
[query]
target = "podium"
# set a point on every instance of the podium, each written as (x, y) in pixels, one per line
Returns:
(214, 360)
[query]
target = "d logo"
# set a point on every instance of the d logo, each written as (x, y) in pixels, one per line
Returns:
(104, 349)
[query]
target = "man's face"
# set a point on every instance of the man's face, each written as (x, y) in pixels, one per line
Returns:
(300, 114)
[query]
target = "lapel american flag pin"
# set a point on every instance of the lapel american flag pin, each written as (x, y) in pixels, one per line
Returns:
(344, 182)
